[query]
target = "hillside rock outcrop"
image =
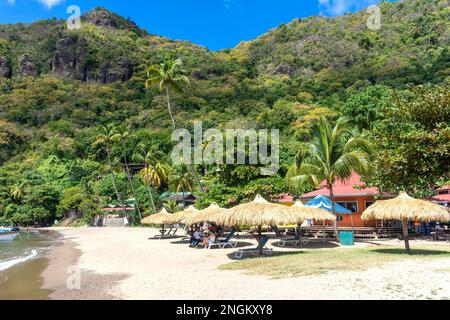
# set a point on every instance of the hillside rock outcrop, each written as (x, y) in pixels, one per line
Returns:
(5, 68)
(27, 66)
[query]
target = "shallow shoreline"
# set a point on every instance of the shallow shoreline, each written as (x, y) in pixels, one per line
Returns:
(63, 278)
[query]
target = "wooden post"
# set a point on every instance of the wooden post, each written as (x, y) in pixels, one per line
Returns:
(259, 240)
(406, 235)
(353, 226)
(324, 232)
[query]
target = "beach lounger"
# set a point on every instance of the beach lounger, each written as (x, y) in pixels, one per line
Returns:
(294, 242)
(172, 231)
(255, 251)
(222, 244)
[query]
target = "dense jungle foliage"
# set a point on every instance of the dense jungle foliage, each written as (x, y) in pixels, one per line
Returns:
(74, 107)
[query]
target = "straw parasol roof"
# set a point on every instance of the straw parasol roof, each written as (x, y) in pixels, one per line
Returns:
(256, 213)
(159, 218)
(301, 213)
(209, 214)
(406, 208)
(180, 216)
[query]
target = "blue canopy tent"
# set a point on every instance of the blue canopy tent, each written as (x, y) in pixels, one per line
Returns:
(325, 203)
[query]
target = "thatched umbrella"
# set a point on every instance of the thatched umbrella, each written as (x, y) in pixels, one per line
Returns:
(206, 215)
(162, 218)
(256, 213)
(406, 208)
(180, 216)
(302, 213)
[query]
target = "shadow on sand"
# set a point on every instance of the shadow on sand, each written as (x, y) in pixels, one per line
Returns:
(164, 238)
(232, 256)
(413, 252)
(310, 245)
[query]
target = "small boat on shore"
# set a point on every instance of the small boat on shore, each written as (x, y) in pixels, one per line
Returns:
(8, 234)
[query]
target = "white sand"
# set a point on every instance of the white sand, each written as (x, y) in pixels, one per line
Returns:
(160, 269)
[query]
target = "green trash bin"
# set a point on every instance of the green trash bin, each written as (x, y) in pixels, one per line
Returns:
(346, 238)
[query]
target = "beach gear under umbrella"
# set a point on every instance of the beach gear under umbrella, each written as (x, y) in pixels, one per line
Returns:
(406, 208)
(206, 215)
(315, 212)
(256, 213)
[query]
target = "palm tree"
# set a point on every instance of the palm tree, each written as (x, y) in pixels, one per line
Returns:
(107, 138)
(332, 154)
(180, 180)
(124, 135)
(18, 191)
(171, 206)
(154, 173)
(169, 76)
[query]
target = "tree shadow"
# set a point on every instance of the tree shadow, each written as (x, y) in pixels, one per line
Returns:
(159, 238)
(232, 255)
(310, 245)
(413, 252)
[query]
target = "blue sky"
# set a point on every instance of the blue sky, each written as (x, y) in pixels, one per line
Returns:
(217, 24)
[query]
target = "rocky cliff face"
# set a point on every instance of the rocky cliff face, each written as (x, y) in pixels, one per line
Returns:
(118, 70)
(27, 66)
(5, 68)
(102, 19)
(69, 59)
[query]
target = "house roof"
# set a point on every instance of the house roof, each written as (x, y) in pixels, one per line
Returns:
(285, 198)
(442, 197)
(348, 188)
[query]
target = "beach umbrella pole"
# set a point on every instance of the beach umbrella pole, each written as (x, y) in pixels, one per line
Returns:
(406, 235)
(259, 240)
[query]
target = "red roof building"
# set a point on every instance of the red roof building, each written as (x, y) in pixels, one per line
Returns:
(443, 196)
(353, 195)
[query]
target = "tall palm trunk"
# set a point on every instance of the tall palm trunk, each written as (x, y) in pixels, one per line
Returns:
(169, 107)
(333, 205)
(150, 192)
(113, 179)
(130, 181)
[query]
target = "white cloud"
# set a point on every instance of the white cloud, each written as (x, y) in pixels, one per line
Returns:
(46, 3)
(49, 3)
(233, 4)
(339, 7)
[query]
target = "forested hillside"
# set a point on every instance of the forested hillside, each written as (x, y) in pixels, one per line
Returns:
(58, 87)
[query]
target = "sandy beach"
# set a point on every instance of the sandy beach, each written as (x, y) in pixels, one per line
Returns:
(125, 263)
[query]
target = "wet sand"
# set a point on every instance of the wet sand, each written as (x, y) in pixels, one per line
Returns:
(62, 279)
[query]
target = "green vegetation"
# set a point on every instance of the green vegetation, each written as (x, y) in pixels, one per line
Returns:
(320, 261)
(333, 154)
(85, 103)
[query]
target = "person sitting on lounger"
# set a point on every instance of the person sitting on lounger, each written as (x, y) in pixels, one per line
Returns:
(196, 238)
(210, 239)
(439, 231)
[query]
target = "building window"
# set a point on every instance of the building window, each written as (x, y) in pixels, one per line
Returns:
(350, 205)
(369, 203)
